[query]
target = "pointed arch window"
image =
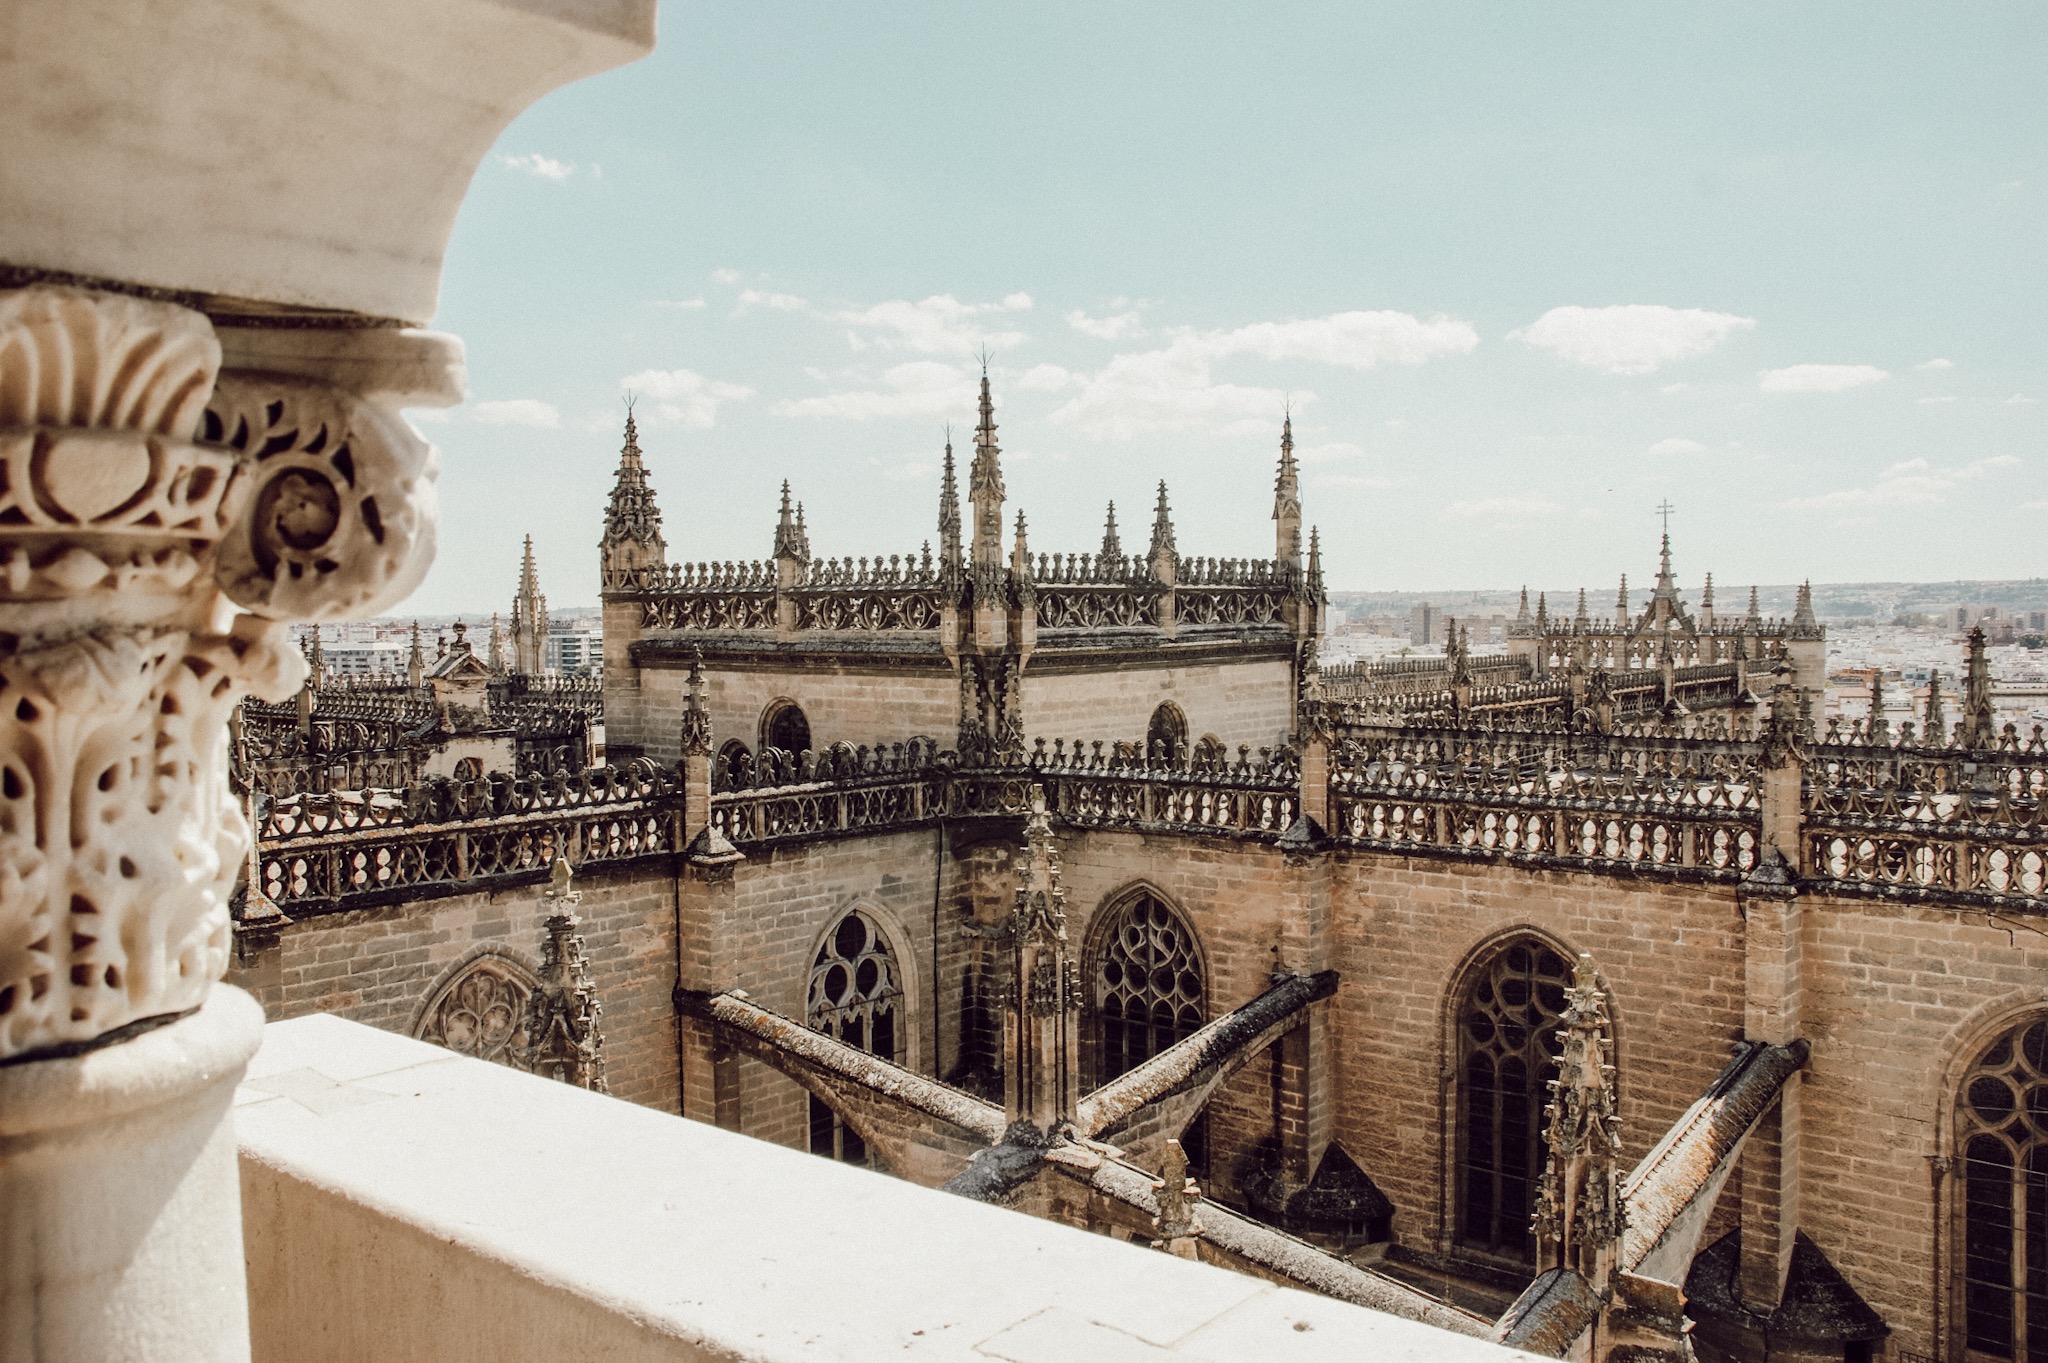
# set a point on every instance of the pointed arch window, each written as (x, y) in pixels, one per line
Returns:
(856, 996)
(2002, 1136)
(1507, 1056)
(785, 727)
(1150, 987)
(1166, 736)
(481, 1010)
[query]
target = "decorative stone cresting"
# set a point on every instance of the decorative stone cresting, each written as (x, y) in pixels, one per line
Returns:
(138, 500)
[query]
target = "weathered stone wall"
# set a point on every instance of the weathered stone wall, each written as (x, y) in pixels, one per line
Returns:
(1248, 702)
(379, 966)
(843, 705)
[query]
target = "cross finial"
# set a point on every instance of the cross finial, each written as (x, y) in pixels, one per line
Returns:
(1664, 509)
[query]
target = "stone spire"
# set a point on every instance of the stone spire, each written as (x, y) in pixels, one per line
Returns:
(496, 657)
(1042, 1019)
(1621, 603)
(415, 662)
(985, 485)
(1584, 617)
(1978, 726)
(1879, 727)
(1162, 528)
(316, 660)
(1802, 613)
(1756, 615)
(803, 536)
(563, 1039)
(1522, 615)
(1936, 720)
(786, 543)
(949, 511)
(1020, 549)
(1707, 603)
(1315, 563)
(1287, 499)
(1542, 610)
(1579, 1212)
(1112, 545)
(529, 619)
(632, 523)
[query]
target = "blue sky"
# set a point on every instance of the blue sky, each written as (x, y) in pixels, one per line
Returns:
(1525, 270)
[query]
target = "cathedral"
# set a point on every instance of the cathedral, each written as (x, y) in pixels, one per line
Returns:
(1594, 997)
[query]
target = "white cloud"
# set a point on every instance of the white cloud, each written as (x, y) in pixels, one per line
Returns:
(920, 388)
(2020, 400)
(1820, 378)
(1174, 388)
(1630, 338)
(517, 412)
(780, 302)
(2034, 506)
(1676, 389)
(1912, 482)
(679, 304)
(1503, 512)
(546, 167)
(1948, 398)
(726, 276)
(1115, 327)
(1045, 378)
(941, 324)
(1677, 445)
(683, 397)
(1937, 364)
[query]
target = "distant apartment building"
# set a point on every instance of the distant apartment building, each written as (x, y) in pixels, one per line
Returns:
(364, 659)
(1425, 625)
(572, 651)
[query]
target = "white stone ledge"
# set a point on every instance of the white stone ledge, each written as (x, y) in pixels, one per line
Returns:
(402, 1202)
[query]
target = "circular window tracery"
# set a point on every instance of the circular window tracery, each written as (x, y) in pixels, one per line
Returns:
(855, 996)
(1507, 1048)
(2002, 1133)
(482, 1011)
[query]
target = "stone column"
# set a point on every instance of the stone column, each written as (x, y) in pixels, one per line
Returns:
(216, 221)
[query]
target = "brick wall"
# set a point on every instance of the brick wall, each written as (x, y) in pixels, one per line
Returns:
(378, 966)
(1249, 702)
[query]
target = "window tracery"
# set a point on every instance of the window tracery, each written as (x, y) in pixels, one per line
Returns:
(1507, 1056)
(481, 1011)
(1150, 986)
(855, 996)
(2002, 1136)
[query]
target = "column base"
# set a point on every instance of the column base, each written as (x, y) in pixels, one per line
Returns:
(120, 1196)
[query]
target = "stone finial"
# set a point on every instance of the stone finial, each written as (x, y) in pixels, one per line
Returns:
(1162, 526)
(529, 618)
(564, 1039)
(1287, 499)
(495, 658)
(1176, 1225)
(949, 511)
(1580, 1214)
(1522, 613)
(1112, 545)
(1935, 720)
(1880, 727)
(1755, 617)
(1315, 563)
(696, 719)
(1020, 549)
(1979, 723)
(415, 661)
(1042, 1016)
(985, 484)
(1542, 611)
(1621, 616)
(786, 545)
(1583, 619)
(1803, 619)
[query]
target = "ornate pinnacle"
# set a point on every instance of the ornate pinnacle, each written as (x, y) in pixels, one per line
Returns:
(786, 541)
(696, 719)
(563, 1039)
(1041, 906)
(1315, 562)
(1542, 609)
(1112, 546)
(985, 485)
(1579, 1211)
(1802, 612)
(1584, 617)
(949, 510)
(1287, 497)
(1621, 601)
(1979, 727)
(1936, 721)
(1522, 615)
(632, 518)
(1755, 616)
(1162, 525)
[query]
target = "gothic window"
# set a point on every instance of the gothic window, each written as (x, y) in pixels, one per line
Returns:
(785, 727)
(856, 995)
(1507, 1056)
(1167, 735)
(481, 1011)
(1149, 985)
(2002, 1135)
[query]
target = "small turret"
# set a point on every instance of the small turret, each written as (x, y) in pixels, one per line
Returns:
(1802, 613)
(529, 619)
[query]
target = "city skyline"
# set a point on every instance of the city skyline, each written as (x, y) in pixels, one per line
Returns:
(1520, 280)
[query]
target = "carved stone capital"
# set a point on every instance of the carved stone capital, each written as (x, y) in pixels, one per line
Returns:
(144, 494)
